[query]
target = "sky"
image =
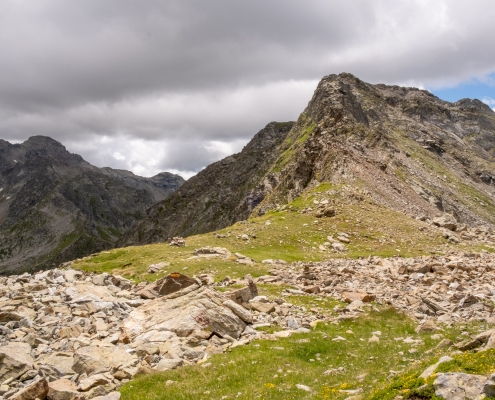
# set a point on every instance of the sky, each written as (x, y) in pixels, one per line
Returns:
(175, 85)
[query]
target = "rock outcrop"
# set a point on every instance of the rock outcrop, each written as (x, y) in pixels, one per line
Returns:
(69, 335)
(55, 207)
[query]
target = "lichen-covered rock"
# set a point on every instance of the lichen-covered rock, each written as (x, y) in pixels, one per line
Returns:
(459, 386)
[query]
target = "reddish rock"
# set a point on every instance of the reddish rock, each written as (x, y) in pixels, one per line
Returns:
(349, 297)
(173, 283)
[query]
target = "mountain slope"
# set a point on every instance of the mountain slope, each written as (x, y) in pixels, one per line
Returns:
(410, 150)
(221, 194)
(413, 152)
(54, 206)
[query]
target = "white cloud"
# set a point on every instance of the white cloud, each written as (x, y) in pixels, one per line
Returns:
(489, 101)
(118, 156)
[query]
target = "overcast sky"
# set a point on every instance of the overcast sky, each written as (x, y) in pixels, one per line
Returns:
(174, 85)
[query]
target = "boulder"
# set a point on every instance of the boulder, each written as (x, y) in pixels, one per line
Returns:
(427, 326)
(199, 310)
(60, 362)
(36, 390)
(244, 294)
(15, 359)
(459, 386)
(94, 359)
(239, 310)
(168, 363)
(177, 241)
(432, 368)
(63, 389)
(327, 211)
(153, 268)
(489, 386)
(263, 307)
(93, 381)
(349, 297)
(214, 251)
(173, 283)
(446, 221)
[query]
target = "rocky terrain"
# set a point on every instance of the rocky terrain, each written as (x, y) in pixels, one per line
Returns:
(368, 173)
(412, 151)
(223, 193)
(54, 206)
(65, 334)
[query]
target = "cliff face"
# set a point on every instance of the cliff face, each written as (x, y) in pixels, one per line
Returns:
(410, 150)
(54, 206)
(221, 194)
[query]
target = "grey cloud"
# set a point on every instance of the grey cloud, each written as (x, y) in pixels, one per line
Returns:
(188, 73)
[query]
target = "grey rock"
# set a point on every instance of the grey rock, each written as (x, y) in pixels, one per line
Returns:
(459, 386)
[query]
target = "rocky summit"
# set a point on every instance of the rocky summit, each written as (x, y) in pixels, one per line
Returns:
(412, 151)
(55, 207)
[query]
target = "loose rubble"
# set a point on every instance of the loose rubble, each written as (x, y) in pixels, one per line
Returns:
(447, 289)
(68, 334)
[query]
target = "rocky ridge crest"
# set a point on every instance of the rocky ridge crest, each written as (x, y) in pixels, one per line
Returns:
(412, 151)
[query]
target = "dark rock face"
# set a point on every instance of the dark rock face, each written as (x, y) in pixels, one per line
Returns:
(412, 151)
(54, 206)
(218, 196)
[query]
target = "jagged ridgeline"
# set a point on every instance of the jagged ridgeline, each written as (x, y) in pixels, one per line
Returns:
(410, 150)
(55, 207)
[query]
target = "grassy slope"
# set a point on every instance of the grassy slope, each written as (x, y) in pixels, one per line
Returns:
(289, 235)
(253, 370)
(271, 369)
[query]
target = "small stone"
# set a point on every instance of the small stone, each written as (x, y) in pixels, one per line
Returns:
(374, 339)
(303, 387)
(292, 323)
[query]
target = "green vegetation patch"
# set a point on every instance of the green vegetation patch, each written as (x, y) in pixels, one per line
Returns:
(334, 360)
(409, 384)
(291, 234)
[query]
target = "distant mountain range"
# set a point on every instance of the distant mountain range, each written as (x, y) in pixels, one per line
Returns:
(54, 206)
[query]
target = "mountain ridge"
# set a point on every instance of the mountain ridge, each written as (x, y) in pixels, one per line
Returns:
(55, 206)
(414, 152)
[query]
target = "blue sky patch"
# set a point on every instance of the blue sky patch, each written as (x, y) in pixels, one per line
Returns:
(483, 90)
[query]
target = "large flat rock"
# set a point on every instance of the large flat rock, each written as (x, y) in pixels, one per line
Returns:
(95, 359)
(200, 310)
